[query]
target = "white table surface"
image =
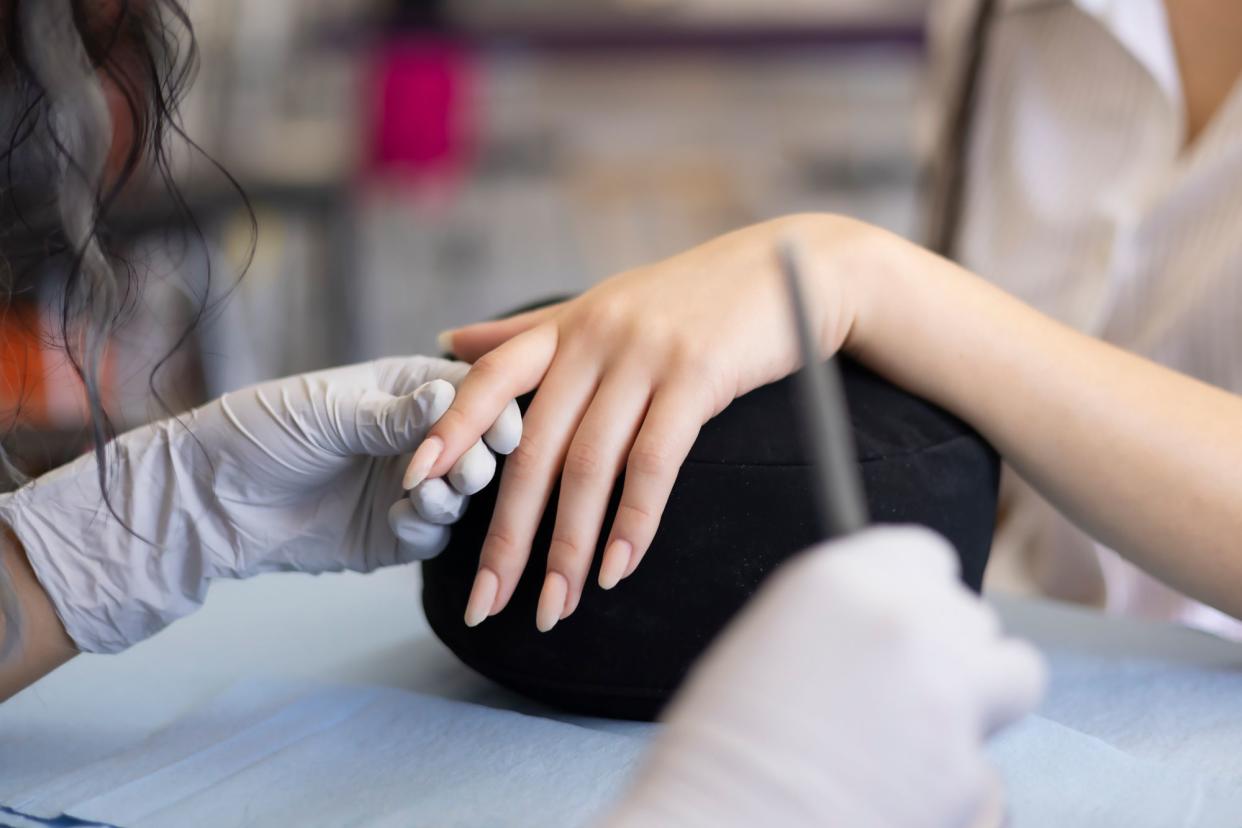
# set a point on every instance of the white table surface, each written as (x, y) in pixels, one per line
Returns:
(369, 630)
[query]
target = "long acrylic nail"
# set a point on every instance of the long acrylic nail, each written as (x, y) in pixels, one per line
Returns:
(482, 597)
(551, 601)
(422, 461)
(616, 560)
(444, 340)
(632, 564)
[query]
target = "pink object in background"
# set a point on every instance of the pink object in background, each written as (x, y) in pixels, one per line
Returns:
(423, 107)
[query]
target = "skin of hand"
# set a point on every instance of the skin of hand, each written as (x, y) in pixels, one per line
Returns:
(1146, 459)
(627, 374)
(296, 474)
(857, 688)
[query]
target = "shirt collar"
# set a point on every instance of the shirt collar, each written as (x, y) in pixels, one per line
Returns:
(1139, 25)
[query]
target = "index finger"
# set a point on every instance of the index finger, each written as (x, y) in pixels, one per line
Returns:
(470, 342)
(511, 370)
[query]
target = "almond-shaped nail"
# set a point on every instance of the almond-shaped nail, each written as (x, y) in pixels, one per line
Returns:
(422, 461)
(444, 340)
(551, 601)
(632, 565)
(482, 597)
(616, 561)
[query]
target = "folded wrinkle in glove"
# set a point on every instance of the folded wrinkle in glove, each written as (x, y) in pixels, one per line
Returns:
(743, 503)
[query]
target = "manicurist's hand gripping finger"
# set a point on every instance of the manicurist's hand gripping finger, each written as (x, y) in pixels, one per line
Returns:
(511, 370)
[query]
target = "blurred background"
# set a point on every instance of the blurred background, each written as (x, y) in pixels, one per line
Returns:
(416, 165)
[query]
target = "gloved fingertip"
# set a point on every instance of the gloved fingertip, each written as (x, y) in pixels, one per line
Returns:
(436, 397)
(474, 470)
(437, 502)
(417, 539)
(505, 434)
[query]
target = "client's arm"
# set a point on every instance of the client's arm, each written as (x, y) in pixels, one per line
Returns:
(1149, 460)
(43, 644)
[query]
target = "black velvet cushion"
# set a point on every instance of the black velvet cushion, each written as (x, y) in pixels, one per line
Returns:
(742, 504)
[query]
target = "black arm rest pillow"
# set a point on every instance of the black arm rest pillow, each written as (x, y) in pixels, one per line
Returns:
(742, 504)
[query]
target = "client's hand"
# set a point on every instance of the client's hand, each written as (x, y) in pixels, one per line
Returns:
(302, 474)
(857, 689)
(627, 375)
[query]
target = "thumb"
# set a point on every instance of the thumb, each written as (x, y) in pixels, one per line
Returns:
(473, 341)
(386, 425)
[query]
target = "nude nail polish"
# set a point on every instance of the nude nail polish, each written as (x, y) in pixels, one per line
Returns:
(616, 561)
(422, 461)
(551, 601)
(444, 341)
(482, 597)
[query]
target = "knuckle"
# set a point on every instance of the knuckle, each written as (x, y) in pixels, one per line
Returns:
(602, 318)
(584, 461)
(455, 422)
(500, 547)
(651, 458)
(565, 552)
(525, 459)
(632, 513)
(489, 368)
(690, 360)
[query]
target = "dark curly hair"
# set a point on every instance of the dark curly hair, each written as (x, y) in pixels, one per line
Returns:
(61, 174)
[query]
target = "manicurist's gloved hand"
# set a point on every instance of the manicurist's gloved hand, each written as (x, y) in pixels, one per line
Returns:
(303, 473)
(857, 689)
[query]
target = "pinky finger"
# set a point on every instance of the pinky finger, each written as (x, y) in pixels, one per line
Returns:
(673, 421)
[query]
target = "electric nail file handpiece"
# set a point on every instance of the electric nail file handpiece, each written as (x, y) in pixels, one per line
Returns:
(825, 418)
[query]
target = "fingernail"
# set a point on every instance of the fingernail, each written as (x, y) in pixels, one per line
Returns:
(632, 564)
(444, 340)
(616, 559)
(571, 607)
(482, 597)
(422, 461)
(551, 601)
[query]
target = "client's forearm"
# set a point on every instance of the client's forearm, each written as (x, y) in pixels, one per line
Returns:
(1148, 460)
(43, 645)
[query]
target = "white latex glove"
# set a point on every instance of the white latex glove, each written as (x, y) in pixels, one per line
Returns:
(856, 690)
(302, 473)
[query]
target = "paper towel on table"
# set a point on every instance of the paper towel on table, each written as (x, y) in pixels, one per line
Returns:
(1056, 776)
(269, 753)
(1185, 716)
(1144, 744)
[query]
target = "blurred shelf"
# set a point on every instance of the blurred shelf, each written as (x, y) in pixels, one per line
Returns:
(636, 36)
(159, 210)
(692, 38)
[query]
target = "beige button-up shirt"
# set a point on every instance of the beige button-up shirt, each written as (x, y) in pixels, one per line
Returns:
(1083, 199)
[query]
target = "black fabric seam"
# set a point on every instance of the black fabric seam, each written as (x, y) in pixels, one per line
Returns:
(861, 460)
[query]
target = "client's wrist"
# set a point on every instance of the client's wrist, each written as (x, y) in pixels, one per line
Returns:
(848, 266)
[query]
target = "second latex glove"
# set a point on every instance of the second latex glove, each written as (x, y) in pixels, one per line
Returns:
(302, 473)
(856, 689)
